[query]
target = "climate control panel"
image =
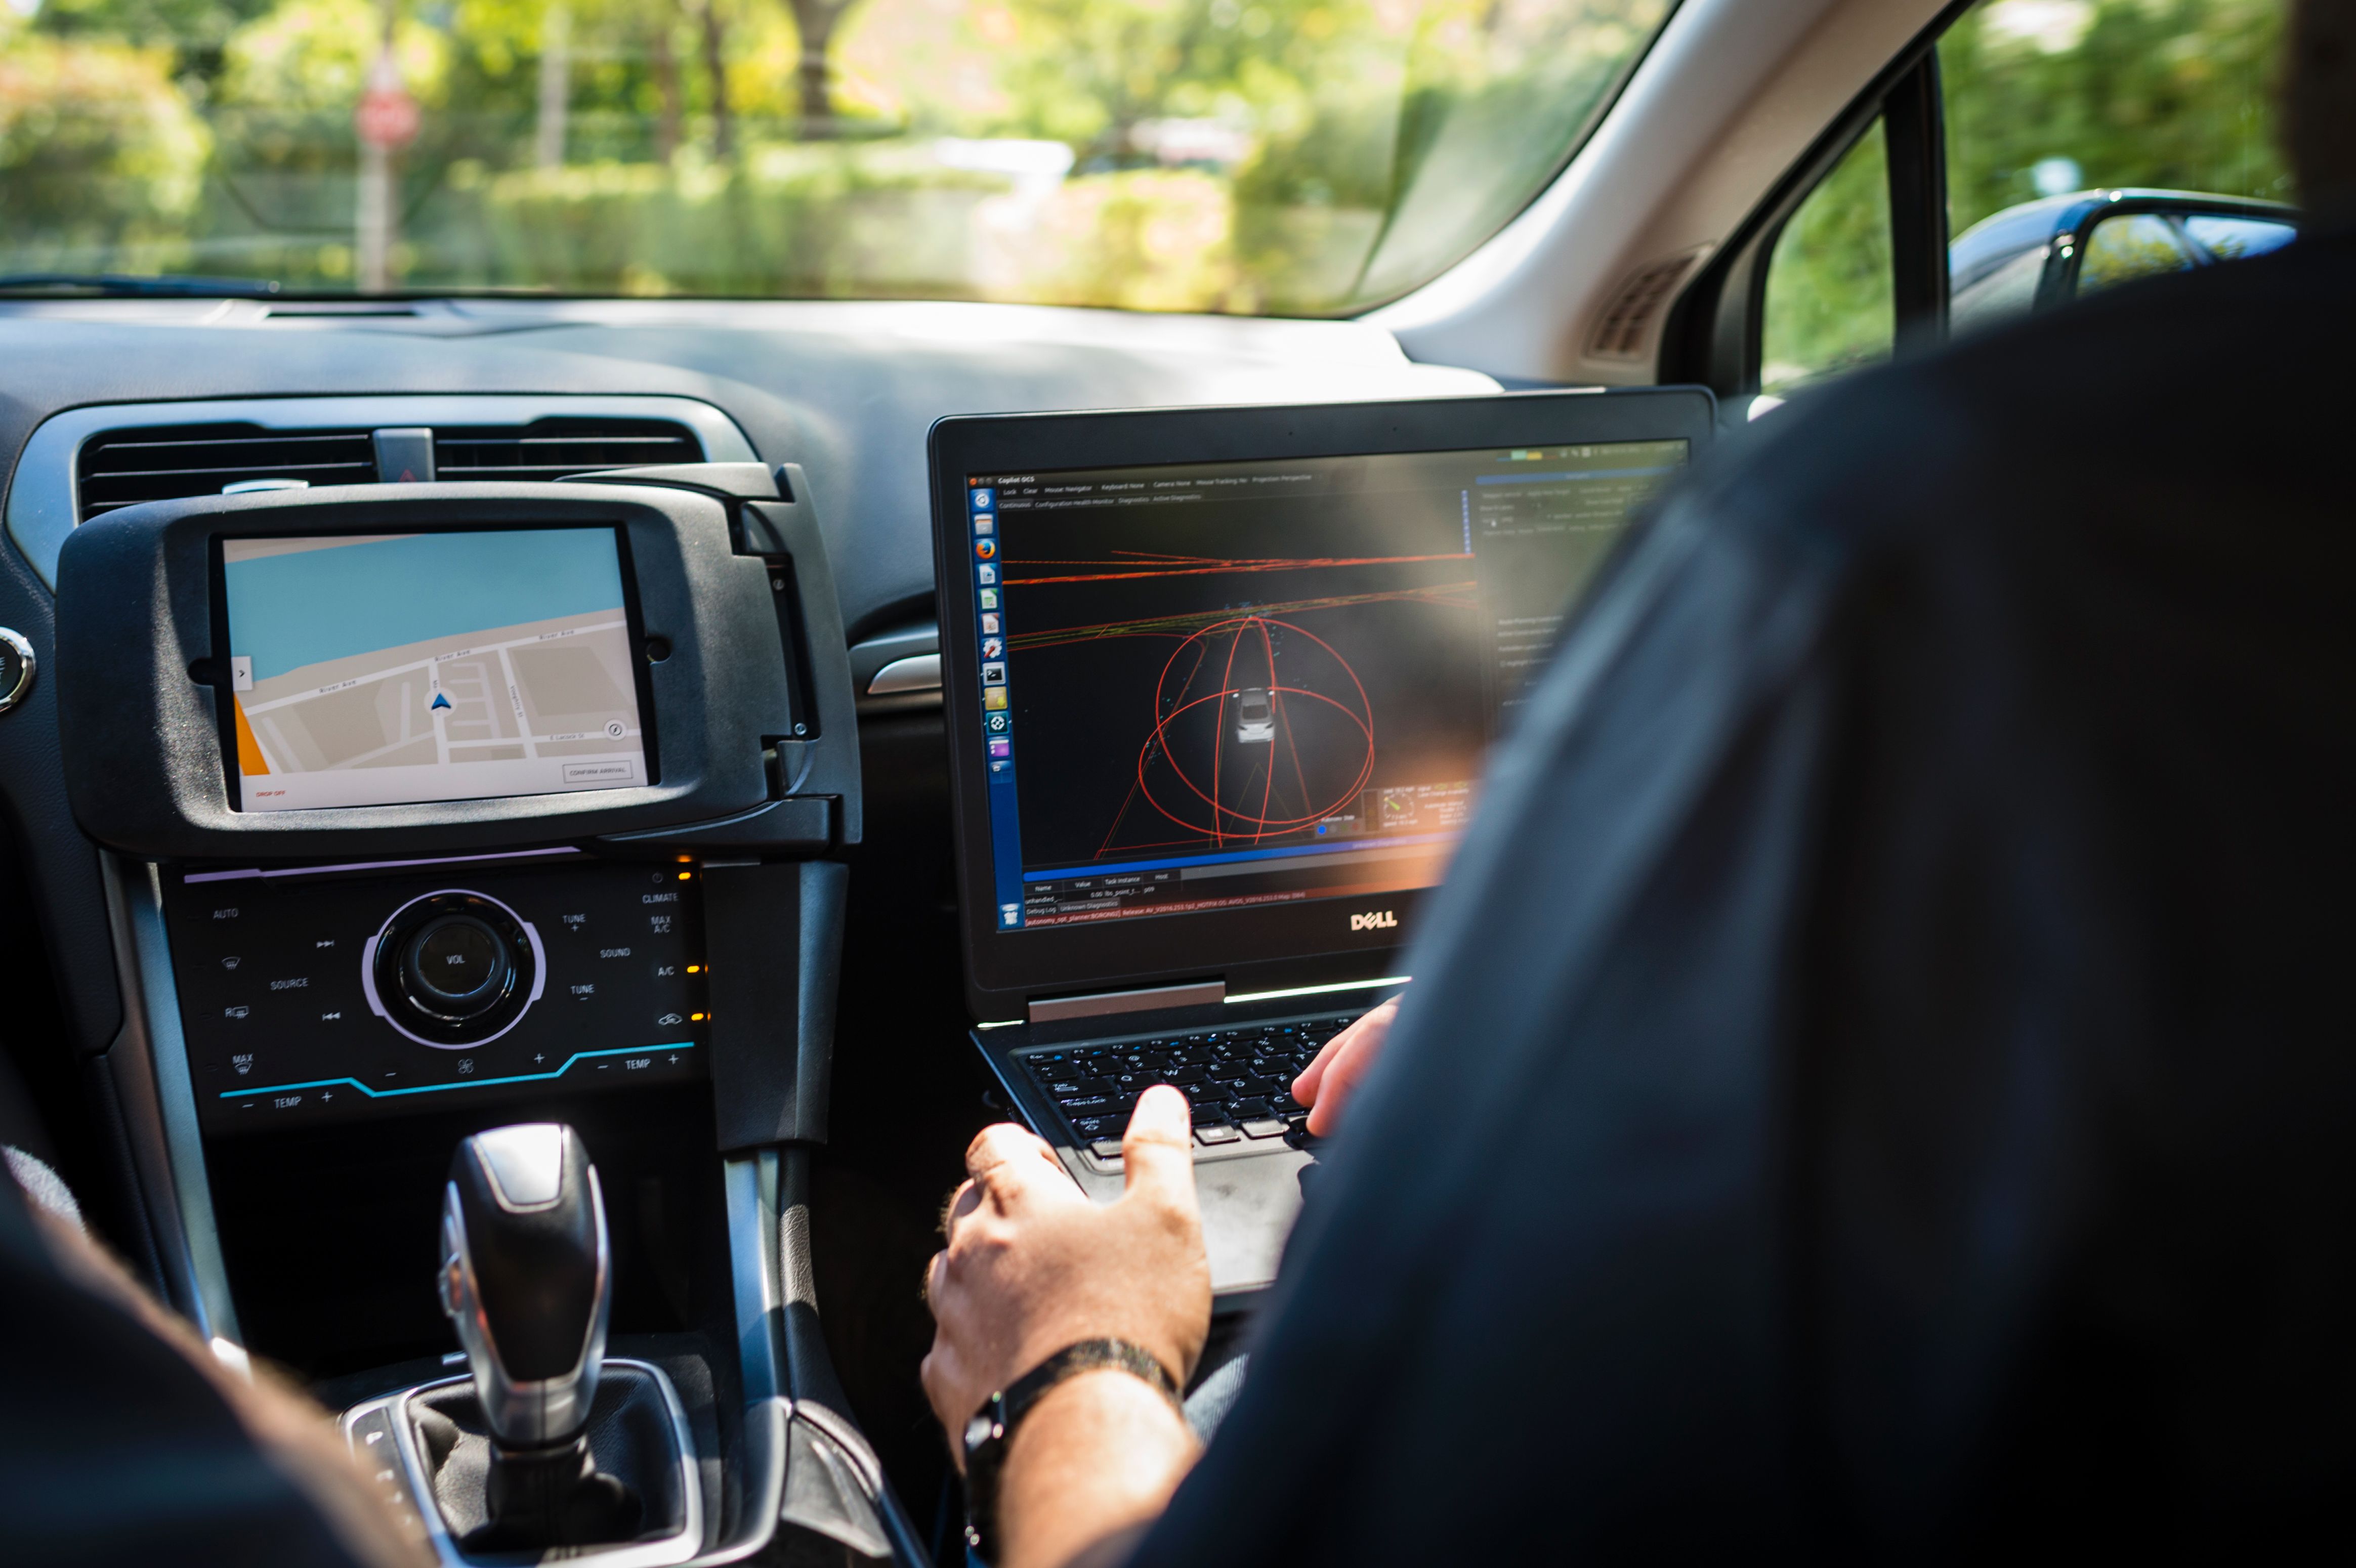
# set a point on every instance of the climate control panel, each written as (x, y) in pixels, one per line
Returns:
(324, 993)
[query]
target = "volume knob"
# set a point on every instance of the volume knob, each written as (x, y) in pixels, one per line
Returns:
(456, 967)
(453, 969)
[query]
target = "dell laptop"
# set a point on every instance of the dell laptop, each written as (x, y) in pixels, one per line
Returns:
(1219, 687)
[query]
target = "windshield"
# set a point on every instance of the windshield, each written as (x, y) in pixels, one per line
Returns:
(1264, 156)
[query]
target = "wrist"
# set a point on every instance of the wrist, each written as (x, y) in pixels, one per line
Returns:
(1144, 1355)
(1096, 1460)
(989, 1433)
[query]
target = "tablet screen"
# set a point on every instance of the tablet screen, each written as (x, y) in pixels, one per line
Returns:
(378, 669)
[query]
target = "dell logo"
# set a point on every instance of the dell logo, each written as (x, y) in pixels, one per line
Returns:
(1381, 920)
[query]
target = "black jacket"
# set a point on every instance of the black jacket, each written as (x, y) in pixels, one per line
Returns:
(1880, 1081)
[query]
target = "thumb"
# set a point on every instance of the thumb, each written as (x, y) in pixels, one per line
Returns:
(1157, 1153)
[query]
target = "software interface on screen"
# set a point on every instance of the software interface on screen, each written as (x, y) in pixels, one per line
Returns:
(369, 670)
(1209, 686)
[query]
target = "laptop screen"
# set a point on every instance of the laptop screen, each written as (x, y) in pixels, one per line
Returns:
(1210, 686)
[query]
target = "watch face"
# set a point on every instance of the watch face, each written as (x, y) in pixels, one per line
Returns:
(978, 1430)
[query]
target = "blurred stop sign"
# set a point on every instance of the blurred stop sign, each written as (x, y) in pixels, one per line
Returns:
(387, 116)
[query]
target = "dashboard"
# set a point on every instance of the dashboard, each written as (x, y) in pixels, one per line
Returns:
(377, 776)
(844, 390)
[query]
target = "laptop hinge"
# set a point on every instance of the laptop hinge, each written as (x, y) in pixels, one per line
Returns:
(1053, 1009)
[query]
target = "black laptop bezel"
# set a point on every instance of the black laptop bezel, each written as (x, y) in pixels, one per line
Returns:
(1005, 970)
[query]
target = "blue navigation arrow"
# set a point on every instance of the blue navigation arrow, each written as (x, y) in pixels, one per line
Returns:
(441, 699)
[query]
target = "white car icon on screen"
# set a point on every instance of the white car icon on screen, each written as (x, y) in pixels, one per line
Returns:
(1255, 716)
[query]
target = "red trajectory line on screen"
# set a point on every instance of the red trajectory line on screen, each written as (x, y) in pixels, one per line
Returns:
(1135, 783)
(1181, 625)
(1263, 823)
(1256, 825)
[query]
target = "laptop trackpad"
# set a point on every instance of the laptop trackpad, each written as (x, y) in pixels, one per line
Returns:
(1249, 1207)
(1249, 1202)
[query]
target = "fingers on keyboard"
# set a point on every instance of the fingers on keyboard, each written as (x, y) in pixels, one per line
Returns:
(1237, 1082)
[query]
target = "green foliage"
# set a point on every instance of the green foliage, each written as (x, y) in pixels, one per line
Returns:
(2170, 93)
(1135, 238)
(1087, 73)
(809, 221)
(2124, 248)
(1342, 150)
(1497, 96)
(2173, 94)
(193, 31)
(1829, 306)
(100, 159)
(1381, 154)
(1355, 146)
(316, 54)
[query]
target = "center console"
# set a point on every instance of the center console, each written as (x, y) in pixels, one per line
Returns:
(438, 817)
(317, 994)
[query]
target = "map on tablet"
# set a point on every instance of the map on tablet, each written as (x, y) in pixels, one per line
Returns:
(378, 669)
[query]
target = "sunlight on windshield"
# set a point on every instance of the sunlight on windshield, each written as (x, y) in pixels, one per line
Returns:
(1288, 156)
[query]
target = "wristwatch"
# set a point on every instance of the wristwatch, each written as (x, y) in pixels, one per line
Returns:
(992, 1426)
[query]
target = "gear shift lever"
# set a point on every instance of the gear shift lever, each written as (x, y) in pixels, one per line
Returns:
(526, 1280)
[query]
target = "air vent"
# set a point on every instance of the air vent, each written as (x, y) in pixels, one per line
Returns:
(549, 449)
(123, 467)
(1628, 323)
(339, 312)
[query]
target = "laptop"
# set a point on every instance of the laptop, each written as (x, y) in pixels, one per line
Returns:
(1220, 683)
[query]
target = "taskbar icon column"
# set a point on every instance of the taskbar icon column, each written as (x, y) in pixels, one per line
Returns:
(981, 509)
(997, 718)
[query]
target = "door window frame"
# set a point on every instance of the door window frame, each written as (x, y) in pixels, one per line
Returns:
(1713, 334)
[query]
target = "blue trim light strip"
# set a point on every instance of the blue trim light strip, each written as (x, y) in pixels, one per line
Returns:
(1591, 473)
(1298, 852)
(470, 1083)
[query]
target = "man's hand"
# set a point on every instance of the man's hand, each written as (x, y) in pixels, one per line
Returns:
(1324, 1085)
(1033, 1266)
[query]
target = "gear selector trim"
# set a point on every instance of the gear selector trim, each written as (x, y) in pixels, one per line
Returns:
(526, 1164)
(537, 1388)
(393, 1418)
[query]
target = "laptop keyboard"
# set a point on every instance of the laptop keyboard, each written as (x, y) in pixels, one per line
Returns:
(1239, 1080)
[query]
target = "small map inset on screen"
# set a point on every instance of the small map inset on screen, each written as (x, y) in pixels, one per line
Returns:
(368, 670)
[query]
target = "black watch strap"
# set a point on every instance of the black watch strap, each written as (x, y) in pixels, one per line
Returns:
(987, 1432)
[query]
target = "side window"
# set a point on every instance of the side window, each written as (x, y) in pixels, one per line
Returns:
(1829, 304)
(2047, 98)
(2045, 104)
(1940, 219)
